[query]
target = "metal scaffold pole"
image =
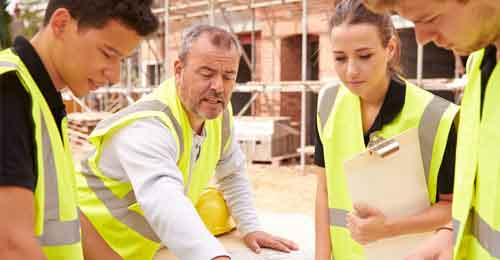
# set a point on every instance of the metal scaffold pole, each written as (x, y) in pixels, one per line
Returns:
(303, 92)
(211, 15)
(166, 49)
(420, 64)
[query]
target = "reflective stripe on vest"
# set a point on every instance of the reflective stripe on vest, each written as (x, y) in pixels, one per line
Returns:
(428, 124)
(488, 237)
(427, 130)
(55, 231)
(118, 207)
(476, 197)
(149, 105)
(428, 127)
(326, 103)
(226, 131)
(8, 64)
(338, 217)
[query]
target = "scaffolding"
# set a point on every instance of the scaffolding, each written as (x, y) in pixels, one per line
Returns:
(179, 10)
(190, 9)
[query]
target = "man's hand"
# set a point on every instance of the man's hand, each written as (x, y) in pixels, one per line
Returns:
(438, 247)
(259, 239)
(366, 224)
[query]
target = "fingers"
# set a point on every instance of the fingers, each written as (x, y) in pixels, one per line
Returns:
(364, 210)
(278, 243)
(275, 244)
(288, 243)
(254, 245)
(353, 223)
(356, 228)
(257, 240)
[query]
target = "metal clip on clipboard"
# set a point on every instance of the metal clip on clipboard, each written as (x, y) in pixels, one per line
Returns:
(382, 147)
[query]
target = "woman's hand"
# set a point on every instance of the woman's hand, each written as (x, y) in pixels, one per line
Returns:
(367, 224)
(438, 247)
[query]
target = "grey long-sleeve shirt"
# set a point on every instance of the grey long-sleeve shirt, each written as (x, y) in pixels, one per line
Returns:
(145, 153)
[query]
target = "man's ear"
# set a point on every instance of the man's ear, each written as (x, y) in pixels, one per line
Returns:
(178, 67)
(60, 22)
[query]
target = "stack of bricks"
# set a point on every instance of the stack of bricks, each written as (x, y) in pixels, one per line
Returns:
(80, 125)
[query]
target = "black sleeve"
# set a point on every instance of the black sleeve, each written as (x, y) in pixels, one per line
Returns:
(16, 135)
(447, 169)
(319, 158)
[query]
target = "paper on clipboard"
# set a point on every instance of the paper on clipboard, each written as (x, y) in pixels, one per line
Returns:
(394, 184)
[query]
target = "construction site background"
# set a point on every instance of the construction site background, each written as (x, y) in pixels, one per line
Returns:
(276, 99)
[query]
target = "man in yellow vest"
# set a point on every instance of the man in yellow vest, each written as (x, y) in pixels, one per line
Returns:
(466, 27)
(80, 46)
(153, 160)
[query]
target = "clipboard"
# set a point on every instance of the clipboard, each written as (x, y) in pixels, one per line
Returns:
(389, 176)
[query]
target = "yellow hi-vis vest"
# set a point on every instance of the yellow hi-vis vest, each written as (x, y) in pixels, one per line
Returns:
(476, 199)
(110, 204)
(57, 225)
(341, 132)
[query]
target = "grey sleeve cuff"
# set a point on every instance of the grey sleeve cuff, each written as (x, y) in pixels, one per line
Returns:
(232, 181)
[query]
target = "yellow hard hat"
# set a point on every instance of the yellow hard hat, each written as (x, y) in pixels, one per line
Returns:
(213, 211)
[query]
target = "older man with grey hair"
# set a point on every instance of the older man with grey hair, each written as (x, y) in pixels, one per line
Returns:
(153, 160)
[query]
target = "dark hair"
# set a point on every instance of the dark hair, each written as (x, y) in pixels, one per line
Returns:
(355, 12)
(218, 37)
(135, 14)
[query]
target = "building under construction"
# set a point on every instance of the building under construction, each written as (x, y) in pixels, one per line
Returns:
(273, 34)
(275, 78)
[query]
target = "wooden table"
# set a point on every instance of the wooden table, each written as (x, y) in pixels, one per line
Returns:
(238, 250)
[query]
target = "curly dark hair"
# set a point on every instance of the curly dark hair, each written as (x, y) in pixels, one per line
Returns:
(135, 14)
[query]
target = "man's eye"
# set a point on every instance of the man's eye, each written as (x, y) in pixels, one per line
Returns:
(106, 54)
(365, 57)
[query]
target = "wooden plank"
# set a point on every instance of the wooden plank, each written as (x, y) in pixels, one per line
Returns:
(280, 160)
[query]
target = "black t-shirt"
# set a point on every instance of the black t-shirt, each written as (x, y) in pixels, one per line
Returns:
(393, 104)
(17, 141)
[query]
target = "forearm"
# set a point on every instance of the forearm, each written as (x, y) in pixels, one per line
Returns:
(322, 226)
(237, 192)
(176, 222)
(233, 182)
(430, 219)
(20, 247)
(17, 224)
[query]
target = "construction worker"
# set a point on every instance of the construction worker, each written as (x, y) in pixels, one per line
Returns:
(373, 99)
(80, 48)
(153, 159)
(466, 27)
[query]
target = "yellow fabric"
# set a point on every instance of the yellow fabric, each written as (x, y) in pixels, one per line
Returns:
(477, 175)
(128, 243)
(64, 170)
(342, 138)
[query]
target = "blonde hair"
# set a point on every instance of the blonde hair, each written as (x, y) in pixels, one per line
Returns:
(380, 6)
